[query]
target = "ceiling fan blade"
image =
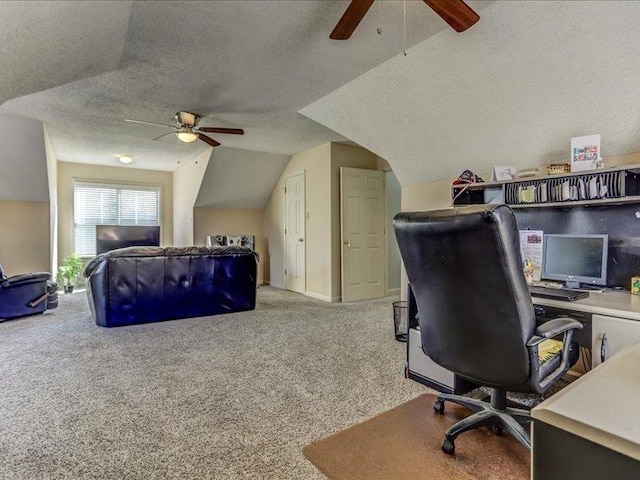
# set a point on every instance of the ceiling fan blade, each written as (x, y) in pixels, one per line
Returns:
(456, 13)
(351, 18)
(163, 135)
(208, 140)
(148, 123)
(231, 131)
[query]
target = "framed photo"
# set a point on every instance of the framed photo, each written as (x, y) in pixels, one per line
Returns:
(585, 153)
(503, 173)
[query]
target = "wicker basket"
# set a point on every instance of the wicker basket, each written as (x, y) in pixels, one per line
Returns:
(556, 168)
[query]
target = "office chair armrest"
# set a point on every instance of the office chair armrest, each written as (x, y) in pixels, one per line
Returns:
(553, 328)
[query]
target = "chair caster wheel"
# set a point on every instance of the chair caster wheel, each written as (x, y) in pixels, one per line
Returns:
(497, 430)
(448, 446)
(438, 406)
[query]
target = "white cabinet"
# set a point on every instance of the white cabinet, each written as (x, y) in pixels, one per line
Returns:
(610, 335)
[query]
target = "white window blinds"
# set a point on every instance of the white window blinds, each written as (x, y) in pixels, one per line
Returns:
(106, 204)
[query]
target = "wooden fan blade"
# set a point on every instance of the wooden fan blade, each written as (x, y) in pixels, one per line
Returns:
(148, 123)
(456, 13)
(232, 131)
(208, 140)
(163, 135)
(351, 18)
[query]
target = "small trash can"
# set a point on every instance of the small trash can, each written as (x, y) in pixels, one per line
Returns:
(400, 320)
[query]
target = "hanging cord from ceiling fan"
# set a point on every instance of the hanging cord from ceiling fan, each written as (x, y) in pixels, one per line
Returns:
(404, 28)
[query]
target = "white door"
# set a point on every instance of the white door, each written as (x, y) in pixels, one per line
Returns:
(294, 238)
(362, 210)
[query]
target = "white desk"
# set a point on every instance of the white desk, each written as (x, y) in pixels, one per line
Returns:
(615, 320)
(610, 303)
(592, 427)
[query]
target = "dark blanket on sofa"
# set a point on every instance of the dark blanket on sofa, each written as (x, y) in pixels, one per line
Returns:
(150, 284)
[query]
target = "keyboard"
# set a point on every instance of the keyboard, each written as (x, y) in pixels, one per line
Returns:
(557, 293)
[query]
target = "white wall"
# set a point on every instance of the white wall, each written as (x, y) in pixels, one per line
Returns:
(239, 178)
(393, 203)
(24, 197)
(187, 179)
(322, 204)
(316, 163)
(52, 176)
(23, 163)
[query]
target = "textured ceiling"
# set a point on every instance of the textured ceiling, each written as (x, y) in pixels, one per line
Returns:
(512, 90)
(23, 162)
(46, 44)
(230, 169)
(247, 64)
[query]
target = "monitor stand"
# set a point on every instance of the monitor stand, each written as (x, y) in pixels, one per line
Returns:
(569, 285)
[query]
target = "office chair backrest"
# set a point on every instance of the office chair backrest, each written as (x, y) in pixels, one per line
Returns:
(465, 269)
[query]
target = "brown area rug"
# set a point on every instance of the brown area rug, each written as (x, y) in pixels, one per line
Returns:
(404, 443)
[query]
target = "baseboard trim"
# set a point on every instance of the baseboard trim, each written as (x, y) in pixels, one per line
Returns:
(393, 291)
(325, 298)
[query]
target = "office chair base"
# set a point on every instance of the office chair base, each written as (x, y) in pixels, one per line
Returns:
(495, 415)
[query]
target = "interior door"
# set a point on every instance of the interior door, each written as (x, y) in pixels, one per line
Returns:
(362, 227)
(294, 234)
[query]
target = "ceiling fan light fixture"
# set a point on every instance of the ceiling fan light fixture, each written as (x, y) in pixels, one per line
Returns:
(126, 159)
(187, 118)
(187, 137)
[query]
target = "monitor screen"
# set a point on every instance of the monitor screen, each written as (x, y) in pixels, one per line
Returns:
(112, 237)
(577, 258)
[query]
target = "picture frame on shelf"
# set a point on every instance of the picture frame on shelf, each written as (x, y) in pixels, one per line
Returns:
(500, 173)
(585, 153)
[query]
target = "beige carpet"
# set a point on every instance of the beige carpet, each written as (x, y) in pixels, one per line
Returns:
(226, 397)
(404, 443)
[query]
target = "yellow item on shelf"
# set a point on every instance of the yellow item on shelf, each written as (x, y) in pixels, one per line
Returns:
(635, 285)
(556, 168)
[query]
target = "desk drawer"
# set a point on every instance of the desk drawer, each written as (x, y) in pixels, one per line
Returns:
(610, 335)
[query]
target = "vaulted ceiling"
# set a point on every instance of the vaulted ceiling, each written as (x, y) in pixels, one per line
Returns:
(83, 67)
(512, 90)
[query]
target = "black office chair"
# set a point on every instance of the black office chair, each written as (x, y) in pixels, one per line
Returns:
(475, 312)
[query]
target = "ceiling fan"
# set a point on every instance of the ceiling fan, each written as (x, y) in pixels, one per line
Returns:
(188, 130)
(456, 13)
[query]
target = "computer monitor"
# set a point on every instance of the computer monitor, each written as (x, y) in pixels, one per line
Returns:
(575, 259)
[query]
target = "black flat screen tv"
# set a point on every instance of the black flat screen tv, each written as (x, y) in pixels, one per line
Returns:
(112, 237)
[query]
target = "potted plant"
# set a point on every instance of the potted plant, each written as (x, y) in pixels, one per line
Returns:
(69, 271)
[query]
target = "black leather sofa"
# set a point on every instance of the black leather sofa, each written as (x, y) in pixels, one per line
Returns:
(26, 294)
(152, 284)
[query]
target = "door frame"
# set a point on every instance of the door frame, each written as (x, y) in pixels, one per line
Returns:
(304, 226)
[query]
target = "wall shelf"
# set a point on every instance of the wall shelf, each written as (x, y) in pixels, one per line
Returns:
(608, 186)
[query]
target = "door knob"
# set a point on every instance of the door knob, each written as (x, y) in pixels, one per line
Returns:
(301, 239)
(347, 243)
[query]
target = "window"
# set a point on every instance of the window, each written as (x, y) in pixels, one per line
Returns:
(106, 204)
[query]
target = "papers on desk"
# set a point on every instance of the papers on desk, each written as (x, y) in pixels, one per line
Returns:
(531, 250)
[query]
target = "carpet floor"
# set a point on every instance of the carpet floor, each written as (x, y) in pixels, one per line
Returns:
(230, 396)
